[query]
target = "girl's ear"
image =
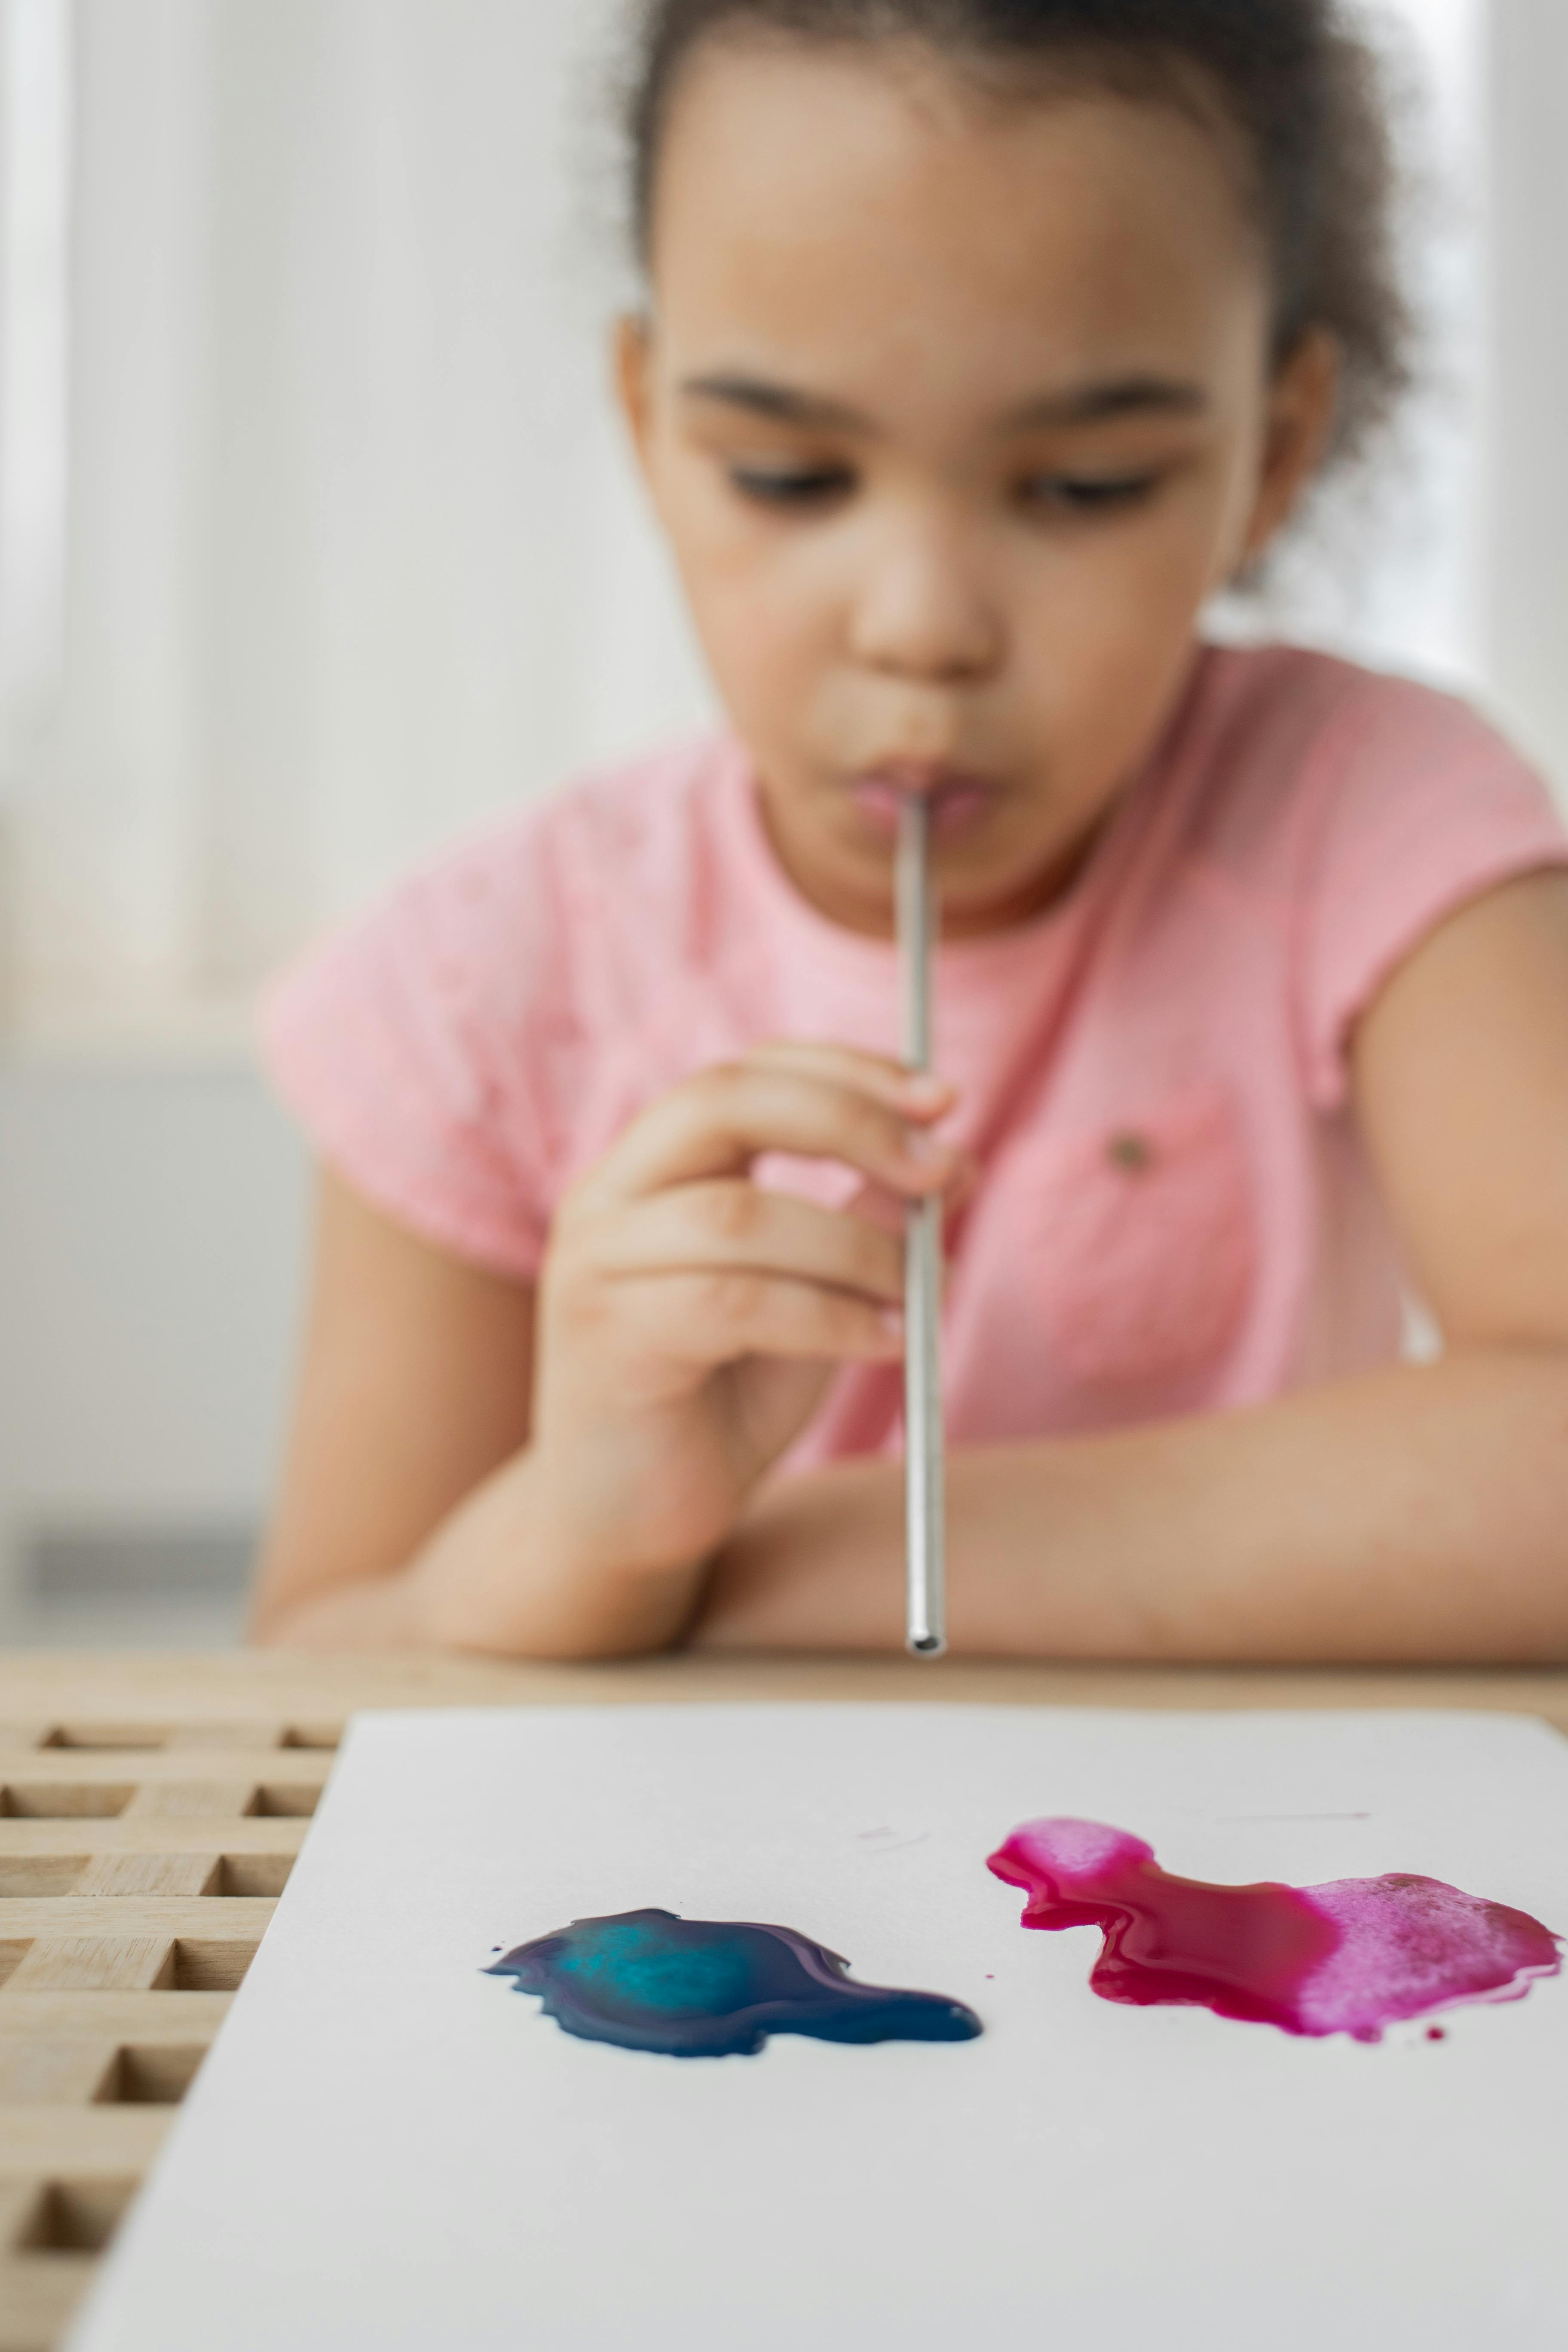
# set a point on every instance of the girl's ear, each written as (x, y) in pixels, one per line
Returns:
(1299, 420)
(631, 359)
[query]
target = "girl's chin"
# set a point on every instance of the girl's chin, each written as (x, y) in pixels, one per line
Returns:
(978, 896)
(841, 862)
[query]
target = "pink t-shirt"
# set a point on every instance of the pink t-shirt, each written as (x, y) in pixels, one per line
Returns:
(1175, 1211)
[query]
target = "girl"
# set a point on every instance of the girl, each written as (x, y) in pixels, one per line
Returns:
(985, 340)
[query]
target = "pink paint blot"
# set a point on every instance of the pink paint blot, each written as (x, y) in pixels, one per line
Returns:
(1352, 1957)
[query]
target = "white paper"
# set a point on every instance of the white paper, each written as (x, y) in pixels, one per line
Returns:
(388, 2148)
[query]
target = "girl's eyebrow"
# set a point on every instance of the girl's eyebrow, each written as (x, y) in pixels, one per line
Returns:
(1084, 403)
(1092, 403)
(785, 403)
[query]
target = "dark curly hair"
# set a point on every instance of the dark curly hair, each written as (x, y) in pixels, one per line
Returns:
(1305, 93)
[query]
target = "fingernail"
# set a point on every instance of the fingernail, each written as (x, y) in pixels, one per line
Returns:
(929, 1148)
(892, 1322)
(925, 1086)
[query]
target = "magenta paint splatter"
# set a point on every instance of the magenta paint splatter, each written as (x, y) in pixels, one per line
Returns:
(1351, 1956)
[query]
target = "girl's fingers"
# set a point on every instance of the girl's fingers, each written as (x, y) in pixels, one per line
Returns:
(717, 1124)
(873, 1204)
(728, 1224)
(716, 1317)
(918, 1094)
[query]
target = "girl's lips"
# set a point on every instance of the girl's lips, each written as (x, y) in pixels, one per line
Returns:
(958, 804)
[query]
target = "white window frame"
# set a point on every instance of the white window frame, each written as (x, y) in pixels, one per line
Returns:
(35, 237)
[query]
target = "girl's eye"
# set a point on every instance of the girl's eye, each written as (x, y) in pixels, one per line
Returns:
(792, 485)
(1089, 494)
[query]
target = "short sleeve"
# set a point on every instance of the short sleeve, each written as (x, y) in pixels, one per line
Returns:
(1418, 806)
(413, 1049)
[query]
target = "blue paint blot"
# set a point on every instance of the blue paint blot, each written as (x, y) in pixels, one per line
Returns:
(714, 1987)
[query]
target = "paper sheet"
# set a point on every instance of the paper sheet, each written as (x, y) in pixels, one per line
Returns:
(388, 2148)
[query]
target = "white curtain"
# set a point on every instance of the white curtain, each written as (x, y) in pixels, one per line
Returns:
(35, 150)
(1526, 621)
(352, 553)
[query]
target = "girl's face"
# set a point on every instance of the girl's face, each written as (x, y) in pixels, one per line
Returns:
(955, 413)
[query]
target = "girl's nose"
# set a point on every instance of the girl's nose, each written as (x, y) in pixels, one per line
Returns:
(920, 613)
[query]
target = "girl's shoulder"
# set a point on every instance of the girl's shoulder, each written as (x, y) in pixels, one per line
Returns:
(1349, 813)
(1300, 764)
(429, 1044)
(602, 866)
(628, 824)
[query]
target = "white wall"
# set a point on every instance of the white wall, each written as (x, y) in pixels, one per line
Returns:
(354, 555)
(1527, 486)
(1388, 570)
(151, 1231)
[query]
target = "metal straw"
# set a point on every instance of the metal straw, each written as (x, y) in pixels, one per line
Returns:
(925, 1504)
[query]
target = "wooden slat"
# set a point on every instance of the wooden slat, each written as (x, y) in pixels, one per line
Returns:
(84, 2069)
(98, 1731)
(123, 1833)
(171, 2017)
(42, 1872)
(111, 1875)
(95, 1964)
(317, 1686)
(133, 1945)
(206, 1800)
(135, 1860)
(80, 2214)
(19, 2203)
(59, 1799)
(38, 2069)
(248, 1737)
(38, 2295)
(58, 1767)
(138, 1915)
(56, 2143)
(153, 2074)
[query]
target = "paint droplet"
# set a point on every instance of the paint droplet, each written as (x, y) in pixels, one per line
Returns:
(715, 1988)
(1436, 2033)
(1351, 1956)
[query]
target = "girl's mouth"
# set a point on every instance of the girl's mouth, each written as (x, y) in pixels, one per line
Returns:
(959, 803)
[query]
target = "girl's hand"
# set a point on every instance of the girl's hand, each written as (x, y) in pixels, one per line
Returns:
(689, 1321)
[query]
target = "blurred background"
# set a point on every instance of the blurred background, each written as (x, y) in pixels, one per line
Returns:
(318, 544)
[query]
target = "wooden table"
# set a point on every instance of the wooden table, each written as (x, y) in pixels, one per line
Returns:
(151, 1809)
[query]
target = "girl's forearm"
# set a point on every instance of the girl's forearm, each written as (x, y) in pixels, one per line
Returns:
(1412, 1514)
(499, 1575)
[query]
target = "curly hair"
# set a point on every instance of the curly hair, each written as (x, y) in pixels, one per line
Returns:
(1304, 93)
